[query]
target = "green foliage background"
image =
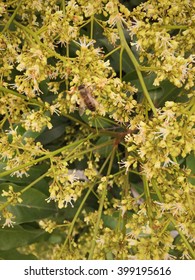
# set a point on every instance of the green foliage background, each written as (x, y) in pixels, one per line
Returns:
(117, 183)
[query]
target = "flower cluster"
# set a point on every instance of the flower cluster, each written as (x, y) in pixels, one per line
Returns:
(32, 63)
(65, 187)
(90, 69)
(110, 146)
(9, 217)
(47, 225)
(163, 138)
(18, 150)
(12, 196)
(36, 121)
(165, 28)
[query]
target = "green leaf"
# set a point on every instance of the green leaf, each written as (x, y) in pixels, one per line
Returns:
(148, 79)
(109, 256)
(131, 77)
(33, 207)
(18, 236)
(50, 135)
(30, 134)
(170, 92)
(115, 57)
(13, 254)
(190, 163)
(159, 94)
(104, 151)
(110, 221)
(55, 239)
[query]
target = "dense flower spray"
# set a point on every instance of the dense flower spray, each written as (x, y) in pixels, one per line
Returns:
(115, 181)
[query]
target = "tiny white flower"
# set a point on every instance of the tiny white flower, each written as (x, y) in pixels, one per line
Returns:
(8, 223)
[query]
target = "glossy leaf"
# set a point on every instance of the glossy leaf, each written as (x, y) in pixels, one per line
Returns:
(15, 255)
(190, 162)
(104, 151)
(18, 236)
(51, 135)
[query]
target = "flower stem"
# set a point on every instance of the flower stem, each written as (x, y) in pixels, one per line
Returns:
(136, 65)
(49, 155)
(32, 101)
(121, 63)
(156, 189)
(34, 35)
(148, 199)
(92, 27)
(74, 221)
(93, 243)
(12, 17)
(111, 52)
(79, 209)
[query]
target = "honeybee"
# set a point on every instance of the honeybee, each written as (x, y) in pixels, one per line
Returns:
(87, 99)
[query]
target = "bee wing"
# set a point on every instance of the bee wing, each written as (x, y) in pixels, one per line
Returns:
(82, 107)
